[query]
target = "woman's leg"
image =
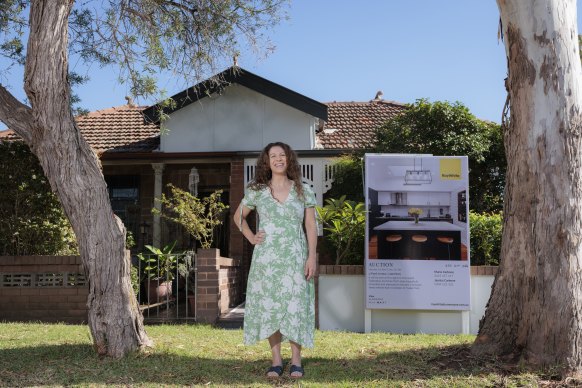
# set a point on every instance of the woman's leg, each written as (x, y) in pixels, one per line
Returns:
(295, 357)
(275, 343)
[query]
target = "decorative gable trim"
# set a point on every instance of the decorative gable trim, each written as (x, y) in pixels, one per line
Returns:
(245, 78)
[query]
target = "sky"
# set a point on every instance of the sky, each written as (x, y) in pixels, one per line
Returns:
(339, 50)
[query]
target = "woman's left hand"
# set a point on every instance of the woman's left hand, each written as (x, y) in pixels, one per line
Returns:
(309, 268)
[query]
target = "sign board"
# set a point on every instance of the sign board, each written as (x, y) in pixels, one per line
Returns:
(417, 253)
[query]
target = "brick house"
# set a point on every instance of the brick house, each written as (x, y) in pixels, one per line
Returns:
(211, 140)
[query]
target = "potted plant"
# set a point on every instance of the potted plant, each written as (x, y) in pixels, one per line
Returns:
(160, 265)
(198, 216)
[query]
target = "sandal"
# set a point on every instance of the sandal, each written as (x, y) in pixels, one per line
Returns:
(278, 369)
(296, 369)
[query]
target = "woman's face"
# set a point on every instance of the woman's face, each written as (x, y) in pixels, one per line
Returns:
(277, 160)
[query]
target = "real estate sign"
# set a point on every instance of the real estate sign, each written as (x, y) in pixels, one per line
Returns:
(417, 253)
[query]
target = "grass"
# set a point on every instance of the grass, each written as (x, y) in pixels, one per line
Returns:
(197, 355)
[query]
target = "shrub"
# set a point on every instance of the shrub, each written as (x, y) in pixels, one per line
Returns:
(486, 231)
(344, 221)
(347, 178)
(198, 216)
(32, 221)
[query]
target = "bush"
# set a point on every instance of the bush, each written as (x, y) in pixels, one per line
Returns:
(347, 178)
(344, 223)
(486, 231)
(32, 221)
(200, 217)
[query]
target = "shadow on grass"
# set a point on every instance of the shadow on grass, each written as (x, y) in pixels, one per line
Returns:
(78, 364)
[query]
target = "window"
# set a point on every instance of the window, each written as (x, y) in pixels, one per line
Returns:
(124, 197)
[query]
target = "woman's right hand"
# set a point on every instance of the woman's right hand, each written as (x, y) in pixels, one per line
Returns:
(258, 238)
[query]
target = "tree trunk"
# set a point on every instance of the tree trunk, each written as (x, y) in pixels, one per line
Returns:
(74, 172)
(535, 310)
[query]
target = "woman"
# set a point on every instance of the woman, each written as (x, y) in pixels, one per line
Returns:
(280, 294)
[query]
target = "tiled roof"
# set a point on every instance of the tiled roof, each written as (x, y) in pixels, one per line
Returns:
(117, 129)
(8, 135)
(122, 128)
(352, 124)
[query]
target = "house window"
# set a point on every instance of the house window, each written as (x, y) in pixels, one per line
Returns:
(124, 197)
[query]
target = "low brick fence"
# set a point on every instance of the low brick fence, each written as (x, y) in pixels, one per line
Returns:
(218, 287)
(43, 288)
(54, 288)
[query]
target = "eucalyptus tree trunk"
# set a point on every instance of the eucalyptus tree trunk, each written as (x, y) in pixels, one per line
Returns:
(535, 309)
(74, 173)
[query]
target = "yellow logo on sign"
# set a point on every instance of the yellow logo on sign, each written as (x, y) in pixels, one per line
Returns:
(450, 169)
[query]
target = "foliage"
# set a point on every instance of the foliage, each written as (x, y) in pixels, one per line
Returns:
(415, 211)
(345, 223)
(142, 38)
(129, 240)
(348, 177)
(185, 268)
(442, 128)
(161, 263)
(486, 230)
(135, 279)
(32, 221)
(198, 216)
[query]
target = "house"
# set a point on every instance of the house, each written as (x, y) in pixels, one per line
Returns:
(211, 139)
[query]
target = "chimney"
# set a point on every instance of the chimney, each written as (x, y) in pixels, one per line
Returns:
(130, 101)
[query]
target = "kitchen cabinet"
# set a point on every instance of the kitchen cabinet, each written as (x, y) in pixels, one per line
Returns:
(429, 199)
(440, 199)
(384, 198)
(418, 198)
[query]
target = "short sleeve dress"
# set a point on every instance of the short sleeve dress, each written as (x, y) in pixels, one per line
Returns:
(278, 296)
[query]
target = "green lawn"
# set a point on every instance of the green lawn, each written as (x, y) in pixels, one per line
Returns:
(61, 355)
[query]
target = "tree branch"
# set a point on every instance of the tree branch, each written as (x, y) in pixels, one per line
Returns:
(16, 115)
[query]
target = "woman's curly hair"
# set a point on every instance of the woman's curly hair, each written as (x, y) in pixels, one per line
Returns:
(263, 172)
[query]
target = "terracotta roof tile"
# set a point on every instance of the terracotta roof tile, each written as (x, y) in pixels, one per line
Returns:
(122, 128)
(352, 124)
(117, 129)
(8, 135)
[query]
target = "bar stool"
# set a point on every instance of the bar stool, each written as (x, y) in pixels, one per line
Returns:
(448, 241)
(418, 239)
(392, 239)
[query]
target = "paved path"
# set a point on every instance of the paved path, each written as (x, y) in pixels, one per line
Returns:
(232, 319)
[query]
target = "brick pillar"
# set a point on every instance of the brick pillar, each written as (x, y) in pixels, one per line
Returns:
(207, 289)
(238, 243)
(236, 195)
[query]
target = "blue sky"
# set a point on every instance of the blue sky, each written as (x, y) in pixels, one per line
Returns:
(333, 50)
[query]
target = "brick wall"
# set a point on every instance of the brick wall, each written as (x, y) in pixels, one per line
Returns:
(43, 288)
(217, 285)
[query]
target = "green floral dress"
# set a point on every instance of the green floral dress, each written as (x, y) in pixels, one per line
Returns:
(278, 296)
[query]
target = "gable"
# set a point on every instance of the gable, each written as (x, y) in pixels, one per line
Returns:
(238, 119)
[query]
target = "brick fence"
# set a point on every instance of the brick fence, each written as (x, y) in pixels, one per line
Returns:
(218, 285)
(43, 288)
(54, 288)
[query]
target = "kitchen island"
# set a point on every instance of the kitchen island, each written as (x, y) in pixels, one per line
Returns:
(436, 240)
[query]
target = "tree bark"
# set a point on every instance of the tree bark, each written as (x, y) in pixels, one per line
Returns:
(74, 173)
(534, 313)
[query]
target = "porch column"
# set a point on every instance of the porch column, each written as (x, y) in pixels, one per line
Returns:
(157, 227)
